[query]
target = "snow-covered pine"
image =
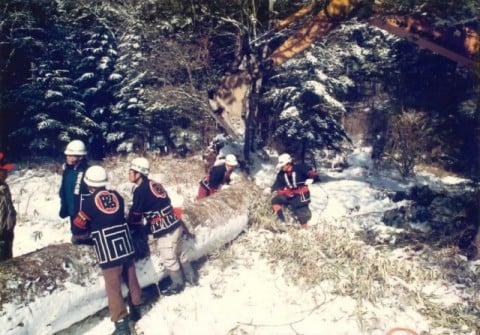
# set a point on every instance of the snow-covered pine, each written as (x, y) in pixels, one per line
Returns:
(318, 83)
(126, 82)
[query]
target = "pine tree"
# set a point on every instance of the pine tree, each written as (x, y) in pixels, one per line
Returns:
(124, 125)
(94, 71)
(305, 105)
(53, 110)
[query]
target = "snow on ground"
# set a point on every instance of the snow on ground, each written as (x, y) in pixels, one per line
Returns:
(239, 291)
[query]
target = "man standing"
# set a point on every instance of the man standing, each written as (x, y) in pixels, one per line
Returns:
(291, 189)
(217, 176)
(102, 215)
(8, 215)
(152, 203)
(73, 186)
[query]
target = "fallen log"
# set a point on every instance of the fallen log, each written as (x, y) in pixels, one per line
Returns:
(50, 289)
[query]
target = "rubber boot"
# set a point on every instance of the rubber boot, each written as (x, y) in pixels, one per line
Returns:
(135, 312)
(191, 276)
(280, 215)
(122, 327)
(280, 225)
(280, 221)
(177, 284)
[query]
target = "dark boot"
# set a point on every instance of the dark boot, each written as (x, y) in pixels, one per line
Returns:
(122, 327)
(177, 284)
(280, 215)
(135, 312)
(280, 226)
(191, 276)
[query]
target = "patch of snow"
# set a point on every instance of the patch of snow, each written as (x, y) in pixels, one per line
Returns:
(248, 295)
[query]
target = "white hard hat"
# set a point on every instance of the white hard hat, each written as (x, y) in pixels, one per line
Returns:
(141, 165)
(231, 160)
(75, 148)
(96, 176)
(283, 160)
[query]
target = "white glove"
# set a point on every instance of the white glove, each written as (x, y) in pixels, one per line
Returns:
(267, 190)
(309, 181)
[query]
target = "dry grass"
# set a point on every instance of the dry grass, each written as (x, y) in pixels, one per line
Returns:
(260, 214)
(434, 170)
(224, 256)
(335, 256)
(179, 171)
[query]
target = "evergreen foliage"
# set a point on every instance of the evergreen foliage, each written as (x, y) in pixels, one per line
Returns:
(116, 73)
(302, 101)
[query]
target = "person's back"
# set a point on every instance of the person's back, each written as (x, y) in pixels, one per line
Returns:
(102, 215)
(152, 203)
(105, 210)
(218, 175)
(151, 200)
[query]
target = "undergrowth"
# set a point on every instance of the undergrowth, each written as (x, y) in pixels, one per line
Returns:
(333, 255)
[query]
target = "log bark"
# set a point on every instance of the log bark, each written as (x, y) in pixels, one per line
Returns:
(50, 289)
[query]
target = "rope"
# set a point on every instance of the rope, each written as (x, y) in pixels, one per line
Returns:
(326, 197)
(400, 329)
(289, 323)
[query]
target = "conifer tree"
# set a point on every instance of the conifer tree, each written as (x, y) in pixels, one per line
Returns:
(98, 56)
(126, 87)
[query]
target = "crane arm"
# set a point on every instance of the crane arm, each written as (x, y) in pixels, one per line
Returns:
(318, 26)
(460, 44)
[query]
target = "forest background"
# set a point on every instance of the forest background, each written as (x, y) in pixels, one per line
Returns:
(131, 75)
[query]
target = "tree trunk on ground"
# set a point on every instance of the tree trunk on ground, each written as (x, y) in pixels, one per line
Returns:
(63, 282)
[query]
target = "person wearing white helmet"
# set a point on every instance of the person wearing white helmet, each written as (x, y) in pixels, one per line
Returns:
(102, 215)
(152, 203)
(217, 176)
(72, 186)
(291, 189)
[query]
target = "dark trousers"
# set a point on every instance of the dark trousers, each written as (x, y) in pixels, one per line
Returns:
(113, 286)
(6, 245)
(298, 204)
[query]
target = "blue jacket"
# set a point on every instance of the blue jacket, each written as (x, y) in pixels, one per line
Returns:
(71, 188)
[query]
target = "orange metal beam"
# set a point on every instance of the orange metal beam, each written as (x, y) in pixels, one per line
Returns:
(462, 47)
(317, 27)
(295, 16)
(460, 44)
